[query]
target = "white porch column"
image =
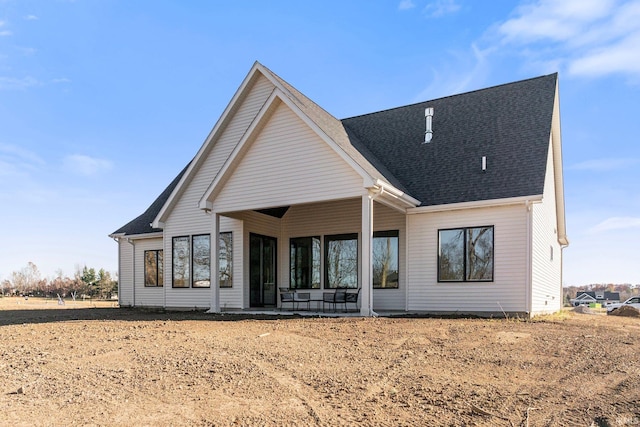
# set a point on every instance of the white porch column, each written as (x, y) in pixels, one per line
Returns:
(215, 265)
(366, 270)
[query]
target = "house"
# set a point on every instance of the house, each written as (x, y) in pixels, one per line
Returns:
(453, 205)
(601, 297)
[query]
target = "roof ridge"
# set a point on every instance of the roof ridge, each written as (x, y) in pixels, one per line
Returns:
(453, 96)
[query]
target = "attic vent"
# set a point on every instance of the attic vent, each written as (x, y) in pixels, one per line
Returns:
(428, 116)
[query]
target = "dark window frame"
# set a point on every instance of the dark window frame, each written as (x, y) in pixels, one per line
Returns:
(193, 263)
(337, 237)
(187, 280)
(465, 255)
(292, 282)
(225, 284)
(381, 234)
(158, 260)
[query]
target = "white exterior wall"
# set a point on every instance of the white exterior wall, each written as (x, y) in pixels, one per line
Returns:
(287, 164)
(125, 273)
(147, 296)
(507, 291)
(187, 219)
(546, 251)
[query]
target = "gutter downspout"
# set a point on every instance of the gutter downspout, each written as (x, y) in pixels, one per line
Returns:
(529, 258)
(133, 279)
(406, 262)
(117, 240)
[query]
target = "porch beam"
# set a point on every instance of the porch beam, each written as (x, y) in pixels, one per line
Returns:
(214, 306)
(366, 273)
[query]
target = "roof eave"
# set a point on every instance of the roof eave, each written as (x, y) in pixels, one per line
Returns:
(556, 144)
(151, 235)
(522, 200)
(403, 198)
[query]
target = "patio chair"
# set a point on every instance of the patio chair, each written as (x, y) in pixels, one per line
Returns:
(302, 297)
(329, 298)
(341, 298)
(352, 298)
(286, 297)
(334, 298)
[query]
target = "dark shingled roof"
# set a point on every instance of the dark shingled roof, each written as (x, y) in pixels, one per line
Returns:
(142, 224)
(509, 124)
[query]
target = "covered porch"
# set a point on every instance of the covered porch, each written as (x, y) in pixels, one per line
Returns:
(293, 258)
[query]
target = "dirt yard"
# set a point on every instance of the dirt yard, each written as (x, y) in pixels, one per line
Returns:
(119, 367)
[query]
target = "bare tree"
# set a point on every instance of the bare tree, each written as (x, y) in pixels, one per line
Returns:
(27, 279)
(5, 286)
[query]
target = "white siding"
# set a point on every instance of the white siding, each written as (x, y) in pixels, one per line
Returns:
(125, 273)
(286, 164)
(508, 290)
(146, 296)
(187, 219)
(546, 270)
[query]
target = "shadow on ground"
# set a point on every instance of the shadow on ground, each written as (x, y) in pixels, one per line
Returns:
(18, 317)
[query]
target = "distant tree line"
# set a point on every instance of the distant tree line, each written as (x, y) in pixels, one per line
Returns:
(86, 282)
(625, 290)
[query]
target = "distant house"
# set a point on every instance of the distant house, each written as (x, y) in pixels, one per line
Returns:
(453, 205)
(601, 297)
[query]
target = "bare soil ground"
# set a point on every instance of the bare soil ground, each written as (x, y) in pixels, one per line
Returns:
(120, 367)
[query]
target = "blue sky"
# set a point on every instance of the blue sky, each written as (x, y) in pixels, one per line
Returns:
(103, 102)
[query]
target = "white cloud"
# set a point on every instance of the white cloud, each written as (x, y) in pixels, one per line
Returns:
(555, 20)
(11, 83)
(85, 165)
(31, 18)
(4, 32)
(619, 57)
(406, 5)
(589, 38)
(453, 81)
(439, 8)
(19, 156)
(616, 223)
(604, 165)
(61, 80)
(26, 51)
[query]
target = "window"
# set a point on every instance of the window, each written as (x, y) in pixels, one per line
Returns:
(201, 261)
(305, 262)
(153, 268)
(192, 260)
(341, 261)
(225, 260)
(465, 254)
(385, 259)
(181, 262)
